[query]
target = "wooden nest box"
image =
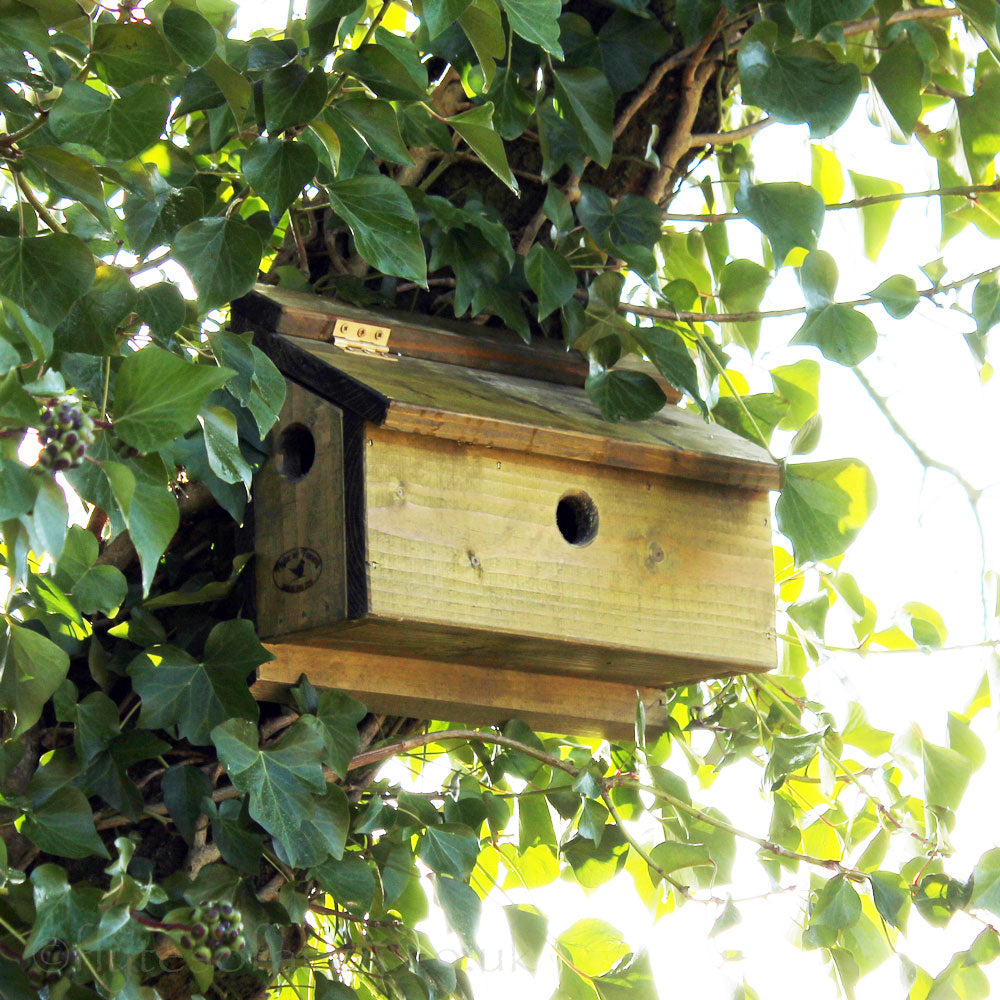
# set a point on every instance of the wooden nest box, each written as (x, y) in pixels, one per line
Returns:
(448, 529)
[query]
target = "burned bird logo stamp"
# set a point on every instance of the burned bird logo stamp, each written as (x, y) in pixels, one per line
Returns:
(296, 570)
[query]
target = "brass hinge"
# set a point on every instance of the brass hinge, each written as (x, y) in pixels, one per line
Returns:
(361, 338)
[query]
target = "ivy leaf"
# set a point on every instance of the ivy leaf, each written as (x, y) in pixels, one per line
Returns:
(840, 331)
(801, 82)
(31, 668)
(152, 516)
(348, 879)
(450, 849)
(257, 384)
(875, 218)
(668, 351)
(279, 169)
(592, 946)
(70, 176)
(789, 754)
(221, 257)
(823, 506)
(222, 445)
(293, 96)
(898, 294)
(281, 781)
(891, 895)
(128, 52)
(178, 690)
(339, 715)
(586, 99)
(154, 214)
(189, 35)
(117, 128)
(790, 215)
(161, 307)
(742, 285)
(625, 395)
(157, 396)
(321, 833)
(462, 908)
(836, 907)
(61, 911)
(529, 930)
(384, 224)
(475, 126)
(45, 275)
(812, 16)
(377, 123)
(64, 825)
(896, 82)
(536, 21)
(240, 842)
(95, 317)
(185, 789)
(551, 278)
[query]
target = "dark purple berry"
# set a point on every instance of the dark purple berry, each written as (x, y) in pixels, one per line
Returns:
(199, 931)
(187, 941)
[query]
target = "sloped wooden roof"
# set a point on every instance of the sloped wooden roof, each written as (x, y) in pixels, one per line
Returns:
(493, 408)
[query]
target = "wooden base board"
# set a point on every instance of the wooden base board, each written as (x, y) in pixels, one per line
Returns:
(458, 692)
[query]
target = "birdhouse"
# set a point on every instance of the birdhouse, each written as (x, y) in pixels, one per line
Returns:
(447, 528)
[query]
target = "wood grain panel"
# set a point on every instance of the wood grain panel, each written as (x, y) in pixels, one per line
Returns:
(578, 706)
(464, 536)
(296, 514)
(483, 407)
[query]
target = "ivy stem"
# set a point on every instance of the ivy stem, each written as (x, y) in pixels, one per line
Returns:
(639, 849)
(12, 138)
(40, 209)
(372, 28)
(157, 925)
(10, 930)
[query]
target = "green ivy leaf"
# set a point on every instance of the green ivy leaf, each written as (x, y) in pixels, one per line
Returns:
(282, 782)
(625, 395)
(586, 99)
(155, 213)
(461, 906)
(339, 715)
(536, 21)
(812, 16)
(378, 125)
(117, 128)
(348, 879)
(450, 849)
(293, 96)
(896, 83)
(790, 215)
(61, 911)
(840, 331)
(157, 396)
(221, 256)
(476, 127)
(789, 754)
(31, 668)
(127, 52)
(891, 895)
(177, 689)
(796, 83)
(551, 278)
(189, 35)
(668, 351)
(96, 317)
(185, 789)
(823, 506)
(383, 223)
(898, 294)
(742, 285)
(222, 445)
(64, 825)
(321, 834)
(836, 907)
(529, 930)
(70, 176)
(875, 218)
(279, 169)
(45, 275)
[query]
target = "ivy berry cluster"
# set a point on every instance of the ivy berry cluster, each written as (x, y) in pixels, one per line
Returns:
(215, 933)
(66, 434)
(52, 963)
